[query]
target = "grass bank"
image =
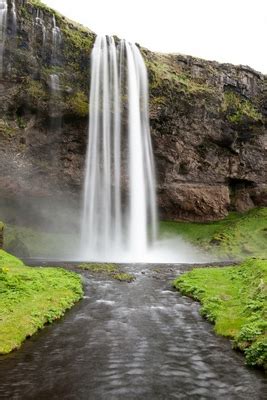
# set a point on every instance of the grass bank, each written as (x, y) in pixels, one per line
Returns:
(32, 297)
(238, 235)
(235, 300)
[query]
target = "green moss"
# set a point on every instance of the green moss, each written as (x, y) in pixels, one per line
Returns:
(30, 298)
(78, 104)
(37, 94)
(99, 268)
(235, 300)
(160, 70)
(21, 122)
(123, 277)
(238, 235)
(39, 4)
(109, 270)
(79, 38)
(5, 129)
(237, 108)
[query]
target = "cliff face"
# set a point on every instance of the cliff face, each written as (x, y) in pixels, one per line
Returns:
(209, 128)
(208, 121)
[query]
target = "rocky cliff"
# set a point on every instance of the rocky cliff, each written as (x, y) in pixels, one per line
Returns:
(208, 121)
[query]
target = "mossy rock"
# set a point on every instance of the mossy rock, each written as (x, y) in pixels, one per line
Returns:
(239, 109)
(78, 104)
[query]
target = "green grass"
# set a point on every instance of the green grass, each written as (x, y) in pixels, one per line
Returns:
(32, 297)
(109, 270)
(235, 300)
(99, 268)
(237, 236)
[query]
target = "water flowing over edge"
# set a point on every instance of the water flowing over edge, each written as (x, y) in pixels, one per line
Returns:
(3, 23)
(119, 220)
(119, 211)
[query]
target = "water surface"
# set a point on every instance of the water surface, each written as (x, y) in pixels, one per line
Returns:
(130, 341)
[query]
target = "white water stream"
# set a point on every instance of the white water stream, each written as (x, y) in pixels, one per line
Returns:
(3, 22)
(119, 219)
(40, 22)
(119, 215)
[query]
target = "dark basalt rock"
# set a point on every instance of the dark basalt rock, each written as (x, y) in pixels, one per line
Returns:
(208, 123)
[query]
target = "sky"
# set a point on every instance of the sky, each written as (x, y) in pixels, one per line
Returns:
(233, 31)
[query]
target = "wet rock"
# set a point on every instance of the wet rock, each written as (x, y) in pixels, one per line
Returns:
(195, 201)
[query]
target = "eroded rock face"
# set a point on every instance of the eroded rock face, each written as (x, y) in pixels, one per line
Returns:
(208, 123)
(209, 129)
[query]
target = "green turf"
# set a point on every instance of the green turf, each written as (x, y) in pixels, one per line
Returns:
(235, 300)
(32, 297)
(239, 235)
(109, 270)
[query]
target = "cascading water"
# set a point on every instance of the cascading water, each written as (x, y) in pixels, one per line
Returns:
(3, 22)
(119, 219)
(55, 110)
(56, 40)
(54, 81)
(14, 16)
(40, 23)
(56, 116)
(119, 214)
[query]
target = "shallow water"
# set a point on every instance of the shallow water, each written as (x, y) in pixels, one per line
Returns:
(130, 341)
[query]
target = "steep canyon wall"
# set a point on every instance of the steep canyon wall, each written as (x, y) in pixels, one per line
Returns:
(208, 122)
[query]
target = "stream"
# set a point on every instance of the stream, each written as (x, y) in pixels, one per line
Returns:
(139, 340)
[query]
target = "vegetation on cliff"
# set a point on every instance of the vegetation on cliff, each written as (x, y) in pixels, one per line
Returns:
(32, 297)
(235, 300)
(162, 69)
(238, 235)
(238, 109)
(32, 61)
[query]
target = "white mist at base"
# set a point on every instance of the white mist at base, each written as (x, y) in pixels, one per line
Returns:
(165, 251)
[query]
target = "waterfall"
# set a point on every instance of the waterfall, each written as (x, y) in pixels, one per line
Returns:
(119, 212)
(14, 17)
(56, 123)
(56, 40)
(40, 22)
(55, 100)
(3, 22)
(54, 81)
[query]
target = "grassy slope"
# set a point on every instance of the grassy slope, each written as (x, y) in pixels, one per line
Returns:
(235, 299)
(238, 235)
(30, 298)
